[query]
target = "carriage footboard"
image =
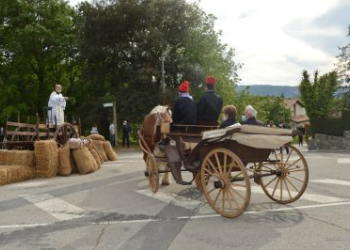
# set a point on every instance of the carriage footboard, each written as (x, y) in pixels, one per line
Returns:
(175, 163)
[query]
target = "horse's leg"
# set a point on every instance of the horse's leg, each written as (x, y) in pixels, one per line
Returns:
(166, 178)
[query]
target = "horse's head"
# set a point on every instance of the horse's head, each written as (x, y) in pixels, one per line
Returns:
(164, 113)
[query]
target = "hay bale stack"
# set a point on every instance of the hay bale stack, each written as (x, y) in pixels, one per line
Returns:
(99, 145)
(97, 137)
(85, 161)
(15, 173)
(17, 157)
(111, 155)
(96, 157)
(64, 161)
(46, 155)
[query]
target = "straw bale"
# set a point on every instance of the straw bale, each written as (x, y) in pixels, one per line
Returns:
(99, 145)
(73, 164)
(46, 155)
(96, 137)
(15, 173)
(64, 166)
(85, 161)
(111, 155)
(96, 157)
(17, 157)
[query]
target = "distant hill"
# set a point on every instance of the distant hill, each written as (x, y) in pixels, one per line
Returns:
(271, 90)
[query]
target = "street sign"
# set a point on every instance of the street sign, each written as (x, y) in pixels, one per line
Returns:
(108, 104)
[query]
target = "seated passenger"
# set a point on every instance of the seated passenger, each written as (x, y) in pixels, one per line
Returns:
(185, 110)
(210, 104)
(229, 116)
(249, 117)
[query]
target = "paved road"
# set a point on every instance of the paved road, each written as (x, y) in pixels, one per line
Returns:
(114, 209)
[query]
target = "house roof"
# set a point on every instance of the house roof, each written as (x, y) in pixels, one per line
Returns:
(300, 118)
(290, 102)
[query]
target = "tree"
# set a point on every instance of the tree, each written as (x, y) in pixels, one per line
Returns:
(36, 44)
(318, 95)
(124, 43)
(343, 69)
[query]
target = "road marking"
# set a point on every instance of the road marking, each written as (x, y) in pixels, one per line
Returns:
(28, 184)
(56, 207)
(112, 222)
(306, 196)
(174, 199)
(332, 181)
(343, 160)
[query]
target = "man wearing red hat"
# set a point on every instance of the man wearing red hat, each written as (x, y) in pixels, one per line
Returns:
(210, 104)
(185, 110)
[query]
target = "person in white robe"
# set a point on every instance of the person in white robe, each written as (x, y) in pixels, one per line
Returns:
(57, 102)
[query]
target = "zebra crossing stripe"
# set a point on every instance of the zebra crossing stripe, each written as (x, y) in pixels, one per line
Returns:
(332, 181)
(56, 207)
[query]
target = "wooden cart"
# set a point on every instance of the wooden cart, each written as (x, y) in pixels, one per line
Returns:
(23, 135)
(223, 161)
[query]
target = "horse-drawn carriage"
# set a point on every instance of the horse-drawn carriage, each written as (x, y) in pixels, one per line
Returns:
(223, 161)
(18, 135)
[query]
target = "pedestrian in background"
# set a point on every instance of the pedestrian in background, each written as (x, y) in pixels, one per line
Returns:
(126, 131)
(112, 134)
(94, 129)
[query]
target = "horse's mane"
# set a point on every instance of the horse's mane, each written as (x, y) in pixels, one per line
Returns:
(160, 109)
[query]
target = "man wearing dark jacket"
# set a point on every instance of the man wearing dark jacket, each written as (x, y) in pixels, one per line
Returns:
(210, 104)
(185, 110)
(249, 117)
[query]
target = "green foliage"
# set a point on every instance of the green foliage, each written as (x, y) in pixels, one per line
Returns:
(343, 69)
(318, 95)
(36, 44)
(331, 126)
(268, 107)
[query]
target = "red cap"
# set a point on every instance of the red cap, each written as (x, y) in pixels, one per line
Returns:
(184, 86)
(210, 80)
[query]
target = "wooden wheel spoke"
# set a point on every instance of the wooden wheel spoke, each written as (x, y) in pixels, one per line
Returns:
(217, 196)
(289, 155)
(285, 183)
(281, 193)
(270, 181)
(210, 191)
(265, 166)
(293, 185)
(234, 191)
(213, 167)
(218, 163)
(211, 173)
(293, 170)
(294, 163)
(295, 178)
(229, 198)
(229, 191)
(223, 201)
(275, 188)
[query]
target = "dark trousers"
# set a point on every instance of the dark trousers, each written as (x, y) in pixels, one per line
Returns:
(125, 140)
(112, 140)
(300, 140)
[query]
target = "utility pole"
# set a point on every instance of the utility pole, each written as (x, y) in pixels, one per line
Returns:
(163, 77)
(115, 122)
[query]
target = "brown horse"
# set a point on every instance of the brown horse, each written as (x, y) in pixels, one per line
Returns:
(152, 136)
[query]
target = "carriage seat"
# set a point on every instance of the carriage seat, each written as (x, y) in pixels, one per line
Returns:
(253, 136)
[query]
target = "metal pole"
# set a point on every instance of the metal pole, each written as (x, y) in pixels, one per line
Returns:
(163, 77)
(115, 123)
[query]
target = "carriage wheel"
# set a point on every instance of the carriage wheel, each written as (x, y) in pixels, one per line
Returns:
(227, 188)
(64, 132)
(152, 173)
(291, 175)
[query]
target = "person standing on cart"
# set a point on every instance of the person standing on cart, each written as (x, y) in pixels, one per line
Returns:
(185, 109)
(209, 105)
(57, 103)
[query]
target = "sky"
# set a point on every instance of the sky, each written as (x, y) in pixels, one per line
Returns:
(276, 40)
